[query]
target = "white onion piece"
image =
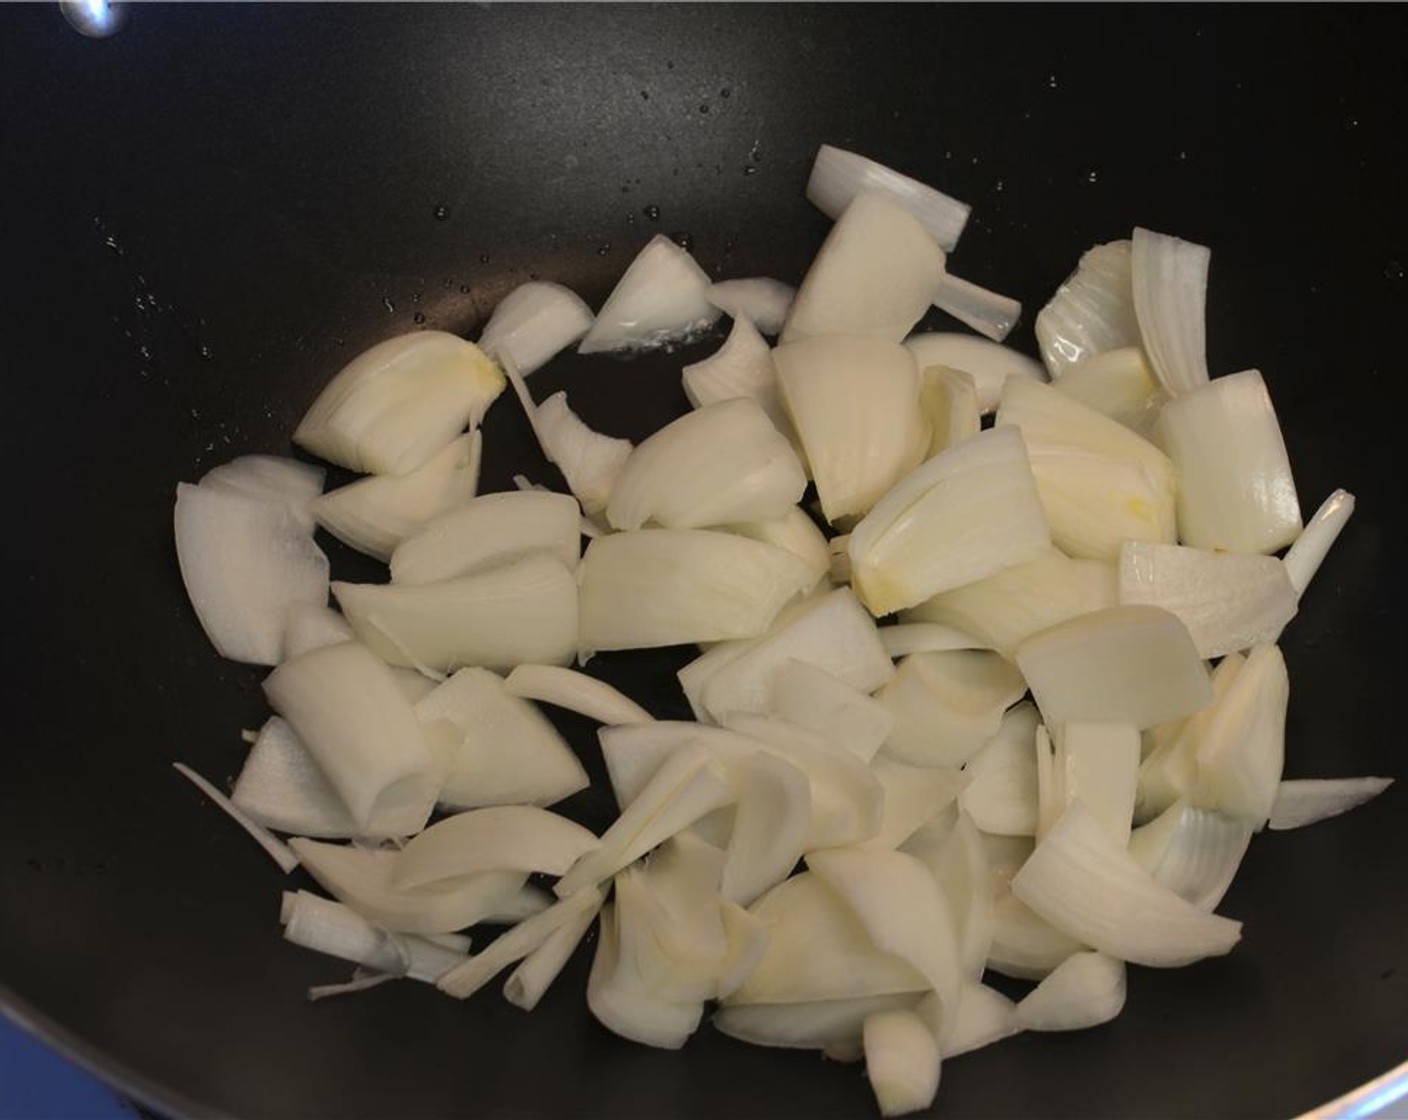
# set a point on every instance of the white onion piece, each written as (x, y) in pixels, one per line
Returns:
(721, 463)
(1169, 277)
(502, 838)
(761, 300)
(947, 705)
(1308, 550)
(1304, 801)
(588, 460)
(577, 692)
(270, 478)
(283, 788)
(663, 295)
(1084, 990)
(819, 950)
(741, 367)
(488, 530)
(1242, 747)
(990, 314)
(1092, 311)
(962, 516)
(361, 878)
(1235, 489)
(956, 858)
(813, 698)
(1097, 764)
(276, 849)
(1025, 946)
(1229, 601)
(1083, 882)
(925, 637)
(913, 795)
(1193, 852)
(812, 1025)
(769, 829)
(663, 587)
(329, 927)
(622, 1003)
(534, 323)
(1119, 385)
(528, 982)
(794, 531)
(245, 562)
(470, 975)
(833, 633)
(983, 1016)
(377, 513)
(1004, 609)
(853, 401)
(874, 275)
(988, 363)
(345, 706)
(502, 749)
(688, 785)
(837, 176)
(525, 610)
(528, 901)
(901, 1061)
(633, 752)
(747, 942)
(948, 399)
(1134, 665)
(309, 626)
(392, 407)
(1002, 794)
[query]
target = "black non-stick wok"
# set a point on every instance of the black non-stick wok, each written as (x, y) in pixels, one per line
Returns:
(208, 213)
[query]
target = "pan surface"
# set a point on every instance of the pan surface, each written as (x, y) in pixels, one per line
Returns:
(208, 213)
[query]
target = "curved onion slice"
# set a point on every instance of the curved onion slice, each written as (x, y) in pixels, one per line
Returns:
(1242, 746)
(764, 302)
(1169, 278)
(875, 275)
(813, 698)
(245, 562)
(1193, 852)
(309, 626)
(901, 1061)
(577, 692)
(741, 367)
(536, 972)
(769, 829)
(1002, 795)
(983, 1016)
(990, 314)
(1305, 801)
(721, 463)
(914, 795)
(283, 788)
(486, 531)
(1084, 990)
(810, 1025)
(533, 323)
(392, 407)
(988, 363)
(270, 478)
(797, 533)
(661, 296)
(329, 927)
(623, 1003)
(1092, 311)
(948, 398)
(525, 610)
(377, 513)
(837, 176)
(1119, 385)
(588, 460)
(1307, 552)
(502, 838)
(947, 705)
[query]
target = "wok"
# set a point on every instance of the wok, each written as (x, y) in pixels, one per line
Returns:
(208, 213)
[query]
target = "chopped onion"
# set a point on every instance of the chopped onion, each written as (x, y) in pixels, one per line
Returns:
(988, 363)
(1308, 550)
(270, 478)
(1092, 311)
(1134, 665)
(488, 530)
(947, 705)
(588, 460)
(825, 1024)
(1307, 800)
(329, 927)
(853, 403)
(797, 533)
(959, 864)
(391, 408)
(1117, 384)
(1097, 764)
(1170, 766)
(502, 838)
(376, 514)
(480, 720)
(577, 692)
(1082, 881)
(770, 826)
(925, 637)
(1235, 490)
(528, 982)
(525, 610)
(722, 463)
(948, 398)
(1169, 277)
(309, 626)
(990, 314)
(764, 302)
(901, 1061)
(345, 707)
(837, 176)
(962, 516)
(1243, 745)
(1025, 946)
(663, 587)
(662, 296)
(283, 788)
(813, 698)
(741, 367)
(245, 562)
(1193, 852)
(913, 795)
(276, 849)
(1084, 990)
(1002, 795)
(874, 275)
(1229, 601)
(534, 323)
(620, 1000)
